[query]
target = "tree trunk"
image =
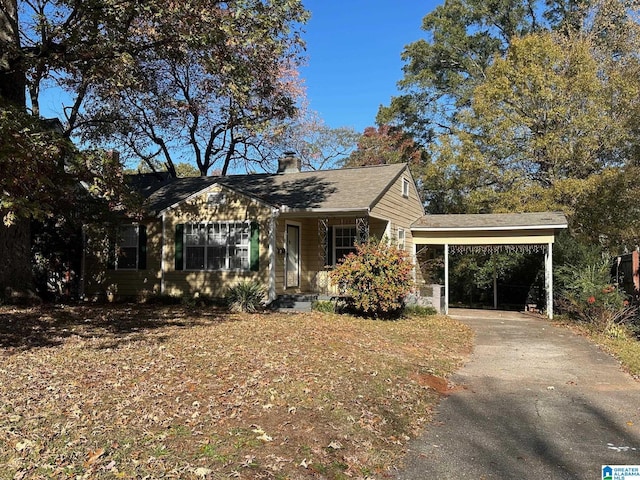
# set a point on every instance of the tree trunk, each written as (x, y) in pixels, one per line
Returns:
(12, 77)
(15, 240)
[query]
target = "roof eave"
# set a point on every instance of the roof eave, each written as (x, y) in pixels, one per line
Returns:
(284, 210)
(494, 228)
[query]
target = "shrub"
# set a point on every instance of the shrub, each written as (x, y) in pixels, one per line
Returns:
(246, 296)
(376, 279)
(324, 306)
(420, 310)
(589, 296)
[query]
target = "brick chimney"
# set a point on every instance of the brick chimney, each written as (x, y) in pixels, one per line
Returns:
(289, 163)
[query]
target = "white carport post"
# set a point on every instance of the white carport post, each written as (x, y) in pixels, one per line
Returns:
(548, 271)
(446, 279)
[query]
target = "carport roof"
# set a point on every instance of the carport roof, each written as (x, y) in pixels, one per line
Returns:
(491, 221)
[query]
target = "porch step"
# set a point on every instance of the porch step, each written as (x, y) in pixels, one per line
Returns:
(294, 302)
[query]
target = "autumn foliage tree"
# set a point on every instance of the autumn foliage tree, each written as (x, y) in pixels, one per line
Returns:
(384, 145)
(527, 106)
(151, 78)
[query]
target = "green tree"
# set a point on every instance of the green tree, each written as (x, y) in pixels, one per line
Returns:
(538, 119)
(441, 71)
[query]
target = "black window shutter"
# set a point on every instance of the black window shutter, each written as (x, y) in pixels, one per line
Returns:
(142, 247)
(179, 246)
(330, 246)
(254, 247)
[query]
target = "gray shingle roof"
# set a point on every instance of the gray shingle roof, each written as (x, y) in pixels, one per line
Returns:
(349, 188)
(496, 221)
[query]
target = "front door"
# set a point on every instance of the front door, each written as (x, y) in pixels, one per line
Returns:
(293, 257)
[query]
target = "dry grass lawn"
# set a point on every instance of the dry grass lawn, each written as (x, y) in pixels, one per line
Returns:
(168, 392)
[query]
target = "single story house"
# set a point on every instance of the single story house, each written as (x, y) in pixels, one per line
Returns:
(287, 230)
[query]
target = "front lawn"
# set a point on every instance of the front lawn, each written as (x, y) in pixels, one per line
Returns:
(167, 392)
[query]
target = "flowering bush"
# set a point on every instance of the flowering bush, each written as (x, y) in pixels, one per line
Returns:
(376, 278)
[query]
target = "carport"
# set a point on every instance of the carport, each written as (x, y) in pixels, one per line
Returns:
(492, 233)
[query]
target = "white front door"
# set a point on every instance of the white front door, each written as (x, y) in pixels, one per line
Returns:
(292, 274)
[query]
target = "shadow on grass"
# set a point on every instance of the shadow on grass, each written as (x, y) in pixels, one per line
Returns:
(53, 325)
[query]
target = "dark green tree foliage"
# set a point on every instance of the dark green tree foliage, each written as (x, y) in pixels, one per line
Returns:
(527, 106)
(441, 71)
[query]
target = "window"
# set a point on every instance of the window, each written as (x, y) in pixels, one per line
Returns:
(401, 238)
(405, 188)
(127, 248)
(217, 246)
(345, 239)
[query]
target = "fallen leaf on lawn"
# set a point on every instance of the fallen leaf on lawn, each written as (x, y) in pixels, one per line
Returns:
(20, 446)
(267, 406)
(202, 472)
(262, 434)
(304, 463)
(630, 423)
(335, 445)
(93, 456)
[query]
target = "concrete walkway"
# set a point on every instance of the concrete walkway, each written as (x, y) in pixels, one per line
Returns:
(534, 401)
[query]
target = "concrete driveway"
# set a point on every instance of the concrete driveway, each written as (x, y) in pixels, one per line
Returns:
(534, 401)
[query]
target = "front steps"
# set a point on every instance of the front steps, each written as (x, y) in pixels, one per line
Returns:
(294, 302)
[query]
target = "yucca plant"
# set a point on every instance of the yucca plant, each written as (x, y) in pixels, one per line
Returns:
(246, 296)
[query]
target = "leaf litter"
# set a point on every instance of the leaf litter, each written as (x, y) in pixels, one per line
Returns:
(168, 392)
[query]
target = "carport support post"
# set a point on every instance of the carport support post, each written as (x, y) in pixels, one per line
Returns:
(548, 271)
(446, 279)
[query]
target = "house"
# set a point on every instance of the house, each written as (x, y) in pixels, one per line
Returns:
(286, 230)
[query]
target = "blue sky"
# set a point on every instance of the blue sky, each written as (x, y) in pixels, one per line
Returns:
(354, 52)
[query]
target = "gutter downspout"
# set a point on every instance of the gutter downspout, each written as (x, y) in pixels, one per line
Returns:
(272, 295)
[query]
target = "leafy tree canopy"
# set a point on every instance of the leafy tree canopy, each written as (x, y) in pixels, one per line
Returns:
(384, 145)
(527, 106)
(164, 81)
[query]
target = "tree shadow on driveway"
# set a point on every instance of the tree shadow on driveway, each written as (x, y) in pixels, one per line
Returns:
(529, 433)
